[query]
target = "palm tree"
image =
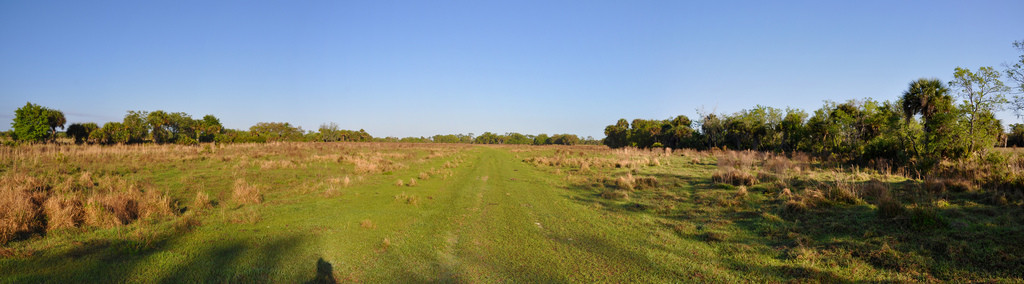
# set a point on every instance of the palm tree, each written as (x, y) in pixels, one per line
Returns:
(926, 97)
(54, 119)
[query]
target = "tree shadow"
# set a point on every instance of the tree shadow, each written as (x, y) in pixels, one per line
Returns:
(97, 260)
(234, 261)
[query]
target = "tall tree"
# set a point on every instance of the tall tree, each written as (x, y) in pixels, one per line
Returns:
(55, 119)
(930, 99)
(134, 128)
(983, 94)
(1016, 74)
(31, 123)
(81, 131)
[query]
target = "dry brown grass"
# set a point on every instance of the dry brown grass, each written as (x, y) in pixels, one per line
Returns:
(737, 159)
(19, 212)
(424, 176)
(645, 182)
(68, 201)
(97, 215)
(804, 201)
(733, 176)
(63, 212)
(625, 182)
(412, 182)
(399, 183)
(778, 165)
(367, 223)
(615, 194)
(245, 193)
(331, 191)
(201, 201)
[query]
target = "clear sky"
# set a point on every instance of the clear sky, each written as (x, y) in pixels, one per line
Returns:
(419, 68)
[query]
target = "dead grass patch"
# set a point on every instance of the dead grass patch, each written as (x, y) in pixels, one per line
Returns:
(367, 224)
(246, 193)
(733, 176)
(201, 201)
(615, 194)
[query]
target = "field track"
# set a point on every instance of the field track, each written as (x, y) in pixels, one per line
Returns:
(496, 219)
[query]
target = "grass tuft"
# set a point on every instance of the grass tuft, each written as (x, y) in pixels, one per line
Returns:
(245, 193)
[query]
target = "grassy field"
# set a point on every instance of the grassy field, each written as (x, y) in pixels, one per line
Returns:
(352, 212)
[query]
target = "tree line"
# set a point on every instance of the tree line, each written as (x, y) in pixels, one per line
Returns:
(511, 138)
(34, 123)
(931, 121)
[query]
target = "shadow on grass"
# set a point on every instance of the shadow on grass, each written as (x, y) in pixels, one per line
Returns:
(236, 261)
(324, 273)
(121, 260)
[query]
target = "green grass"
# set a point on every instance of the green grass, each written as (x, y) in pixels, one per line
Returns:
(500, 219)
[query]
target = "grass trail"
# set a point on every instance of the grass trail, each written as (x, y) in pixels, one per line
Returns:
(494, 219)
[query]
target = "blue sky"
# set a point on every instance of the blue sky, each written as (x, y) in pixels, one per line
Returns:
(420, 68)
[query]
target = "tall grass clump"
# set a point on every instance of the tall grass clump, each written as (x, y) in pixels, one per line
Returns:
(245, 193)
(733, 176)
(63, 212)
(19, 212)
(201, 201)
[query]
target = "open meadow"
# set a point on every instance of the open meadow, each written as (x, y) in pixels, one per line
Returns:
(394, 212)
